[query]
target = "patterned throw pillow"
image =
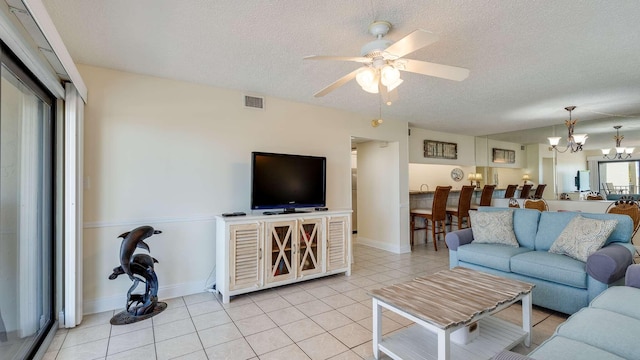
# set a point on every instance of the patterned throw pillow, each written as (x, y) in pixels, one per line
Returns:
(582, 237)
(493, 227)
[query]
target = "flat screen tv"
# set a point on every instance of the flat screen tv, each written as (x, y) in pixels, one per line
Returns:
(289, 182)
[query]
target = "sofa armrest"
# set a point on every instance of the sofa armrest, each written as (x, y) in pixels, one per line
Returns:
(609, 264)
(458, 238)
(510, 355)
(633, 276)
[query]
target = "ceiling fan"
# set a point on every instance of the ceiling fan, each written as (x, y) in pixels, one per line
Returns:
(382, 62)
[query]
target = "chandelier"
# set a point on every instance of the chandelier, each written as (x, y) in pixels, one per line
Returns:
(619, 149)
(574, 141)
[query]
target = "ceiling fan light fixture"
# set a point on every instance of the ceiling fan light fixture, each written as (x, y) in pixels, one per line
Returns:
(371, 88)
(394, 85)
(366, 77)
(389, 75)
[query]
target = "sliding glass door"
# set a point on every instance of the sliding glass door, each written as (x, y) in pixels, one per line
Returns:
(26, 211)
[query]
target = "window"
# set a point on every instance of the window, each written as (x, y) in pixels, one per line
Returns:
(26, 211)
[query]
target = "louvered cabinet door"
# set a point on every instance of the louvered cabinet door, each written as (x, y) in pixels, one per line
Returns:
(337, 243)
(246, 256)
(280, 246)
(309, 246)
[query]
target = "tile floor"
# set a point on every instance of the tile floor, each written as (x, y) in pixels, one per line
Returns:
(327, 318)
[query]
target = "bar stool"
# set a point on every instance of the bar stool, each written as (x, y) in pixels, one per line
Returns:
(485, 197)
(437, 215)
(526, 189)
(464, 204)
(511, 190)
(539, 191)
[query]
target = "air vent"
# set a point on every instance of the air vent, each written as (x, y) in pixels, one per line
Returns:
(254, 102)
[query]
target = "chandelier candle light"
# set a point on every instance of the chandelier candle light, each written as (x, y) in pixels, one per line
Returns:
(574, 141)
(619, 149)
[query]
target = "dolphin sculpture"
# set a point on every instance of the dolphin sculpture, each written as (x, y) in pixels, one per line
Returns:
(131, 241)
(140, 268)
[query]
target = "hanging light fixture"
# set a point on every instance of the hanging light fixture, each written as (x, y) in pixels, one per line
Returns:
(619, 149)
(370, 78)
(574, 141)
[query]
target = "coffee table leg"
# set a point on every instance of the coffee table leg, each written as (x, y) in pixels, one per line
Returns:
(444, 345)
(526, 318)
(377, 328)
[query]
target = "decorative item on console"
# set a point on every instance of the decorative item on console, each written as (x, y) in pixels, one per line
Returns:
(526, 178)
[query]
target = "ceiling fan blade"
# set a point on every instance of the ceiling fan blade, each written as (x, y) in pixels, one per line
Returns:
(412, 42)
(359, 59)
(433, 69)
(336, 84)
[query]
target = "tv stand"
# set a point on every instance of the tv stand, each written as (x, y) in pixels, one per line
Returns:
(256, 252)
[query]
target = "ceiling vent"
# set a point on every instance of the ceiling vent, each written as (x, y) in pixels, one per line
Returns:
(254, 102)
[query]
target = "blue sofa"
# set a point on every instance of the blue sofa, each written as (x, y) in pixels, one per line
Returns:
(606, 330)
(562, 283)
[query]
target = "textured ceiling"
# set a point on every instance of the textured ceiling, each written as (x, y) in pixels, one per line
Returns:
(528, 59)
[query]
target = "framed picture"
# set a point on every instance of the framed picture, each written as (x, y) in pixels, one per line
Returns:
(440, 149)
(504, 156)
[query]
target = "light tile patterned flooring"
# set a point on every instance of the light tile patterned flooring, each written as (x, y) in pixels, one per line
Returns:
(327, 318)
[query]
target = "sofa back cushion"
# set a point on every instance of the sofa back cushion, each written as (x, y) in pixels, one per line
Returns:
(552, 224)
(525, 224)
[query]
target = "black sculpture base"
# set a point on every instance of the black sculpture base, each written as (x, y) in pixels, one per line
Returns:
(124, 318)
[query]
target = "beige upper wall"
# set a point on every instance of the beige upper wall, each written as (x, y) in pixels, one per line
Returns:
(173, 154)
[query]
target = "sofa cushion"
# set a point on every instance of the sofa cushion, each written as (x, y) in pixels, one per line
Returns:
(554, 222)
(556, 268)
(525, 224)
(493, 227)
(559, 347)
(619, 299)
(603, 329)
(583, 237)
(489, 255)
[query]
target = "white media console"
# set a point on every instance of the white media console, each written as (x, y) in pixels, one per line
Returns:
(263, 251)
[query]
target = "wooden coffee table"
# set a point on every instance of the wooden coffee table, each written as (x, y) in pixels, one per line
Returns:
(444, 302)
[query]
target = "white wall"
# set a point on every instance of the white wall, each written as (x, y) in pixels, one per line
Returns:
(172, 155)
(437, 175)
(377, 200)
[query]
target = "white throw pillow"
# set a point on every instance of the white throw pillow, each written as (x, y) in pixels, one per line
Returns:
(582, 237)
(493, 227)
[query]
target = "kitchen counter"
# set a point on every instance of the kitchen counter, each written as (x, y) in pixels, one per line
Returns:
(418, 192)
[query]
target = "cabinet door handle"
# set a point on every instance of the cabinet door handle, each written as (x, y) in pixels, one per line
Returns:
(260, 254)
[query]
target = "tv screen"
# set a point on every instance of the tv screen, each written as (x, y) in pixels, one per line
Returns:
(283, 181)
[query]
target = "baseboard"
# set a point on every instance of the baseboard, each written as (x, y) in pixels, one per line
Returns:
(394, 248)
(118, 302)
